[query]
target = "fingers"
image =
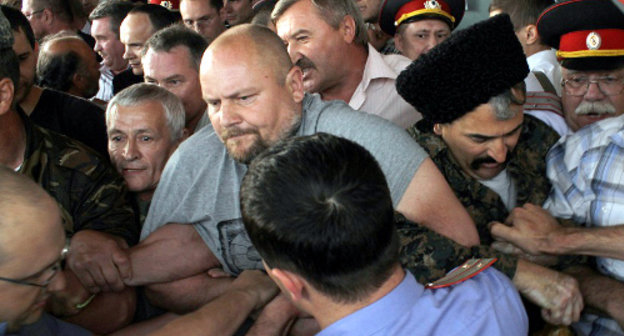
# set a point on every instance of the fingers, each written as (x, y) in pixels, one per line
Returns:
(507, 248)
(218, 273)
(502, 232)
(123, 264)
(89, 278)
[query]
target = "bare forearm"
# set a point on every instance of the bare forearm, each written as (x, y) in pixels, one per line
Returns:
(175, 251)
(600, 292)
(188, 294)
(605, 242)
(222, 316)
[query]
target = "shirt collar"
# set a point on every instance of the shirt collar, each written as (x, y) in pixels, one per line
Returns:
(381, 312)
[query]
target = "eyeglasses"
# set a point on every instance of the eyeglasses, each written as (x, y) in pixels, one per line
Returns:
(44, 277)
(578, 85)
(29, 16)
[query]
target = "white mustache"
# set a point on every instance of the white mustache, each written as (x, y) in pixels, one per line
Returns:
(595, 107)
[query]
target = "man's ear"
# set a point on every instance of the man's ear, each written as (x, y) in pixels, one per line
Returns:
(348, 28)
(437, 129)
(531, 34)
(398, 43)
(6, 95)
(294, 83)
(47, 16)
(289, 282)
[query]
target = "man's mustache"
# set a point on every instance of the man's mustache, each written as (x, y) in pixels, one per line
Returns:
(479, 161)
(235, 131)
(594, 108)
(305, 63)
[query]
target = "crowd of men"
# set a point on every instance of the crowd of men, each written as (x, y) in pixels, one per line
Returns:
(302, 167)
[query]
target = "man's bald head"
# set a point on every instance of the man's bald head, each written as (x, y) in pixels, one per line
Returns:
(17, 192)
(259, 44)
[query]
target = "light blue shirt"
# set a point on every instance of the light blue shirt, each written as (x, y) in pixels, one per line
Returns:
(487, 304)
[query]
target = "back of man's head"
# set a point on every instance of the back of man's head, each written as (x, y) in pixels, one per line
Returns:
(521, 12)
(177, 35)
(332, 12)
(64, 10)
(59, 60)
(319, 206)
(116, 10)
(159, 16)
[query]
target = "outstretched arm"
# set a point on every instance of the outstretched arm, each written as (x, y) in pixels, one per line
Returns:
(534, 230)
(173, 252)
(224, 315)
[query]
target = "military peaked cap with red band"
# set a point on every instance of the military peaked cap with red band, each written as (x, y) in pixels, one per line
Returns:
(173, 5)
(395, 12)
(588, 34)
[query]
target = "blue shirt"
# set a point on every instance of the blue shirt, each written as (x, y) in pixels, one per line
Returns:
(586, 170)
(487, 304)
(49, 325)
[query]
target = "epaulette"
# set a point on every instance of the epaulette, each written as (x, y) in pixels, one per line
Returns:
(462, 273)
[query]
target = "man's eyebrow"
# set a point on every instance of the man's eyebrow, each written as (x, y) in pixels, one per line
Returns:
(488, 137)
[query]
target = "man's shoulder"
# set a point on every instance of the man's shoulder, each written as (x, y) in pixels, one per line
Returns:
(70, 154)
(598, 133)
(429, 141)
(60, 100)
(396, 62)
(590, 140)
(537, 135)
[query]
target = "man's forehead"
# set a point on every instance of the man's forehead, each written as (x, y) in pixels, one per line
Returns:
(20, 43)
(145, 112)
(570, 72)
(178, 55)
(301, 15)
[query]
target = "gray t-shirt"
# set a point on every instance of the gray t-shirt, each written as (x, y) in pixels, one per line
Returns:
(200, 184)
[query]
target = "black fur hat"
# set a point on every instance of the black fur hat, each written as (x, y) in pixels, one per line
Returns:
(465, 71)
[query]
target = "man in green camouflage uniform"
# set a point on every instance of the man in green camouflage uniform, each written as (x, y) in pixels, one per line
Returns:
(526, 165)
(92, 198)
(470, 91)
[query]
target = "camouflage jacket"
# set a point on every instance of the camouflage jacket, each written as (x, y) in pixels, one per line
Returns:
(89, 191)
(527, 167)
(429, 255)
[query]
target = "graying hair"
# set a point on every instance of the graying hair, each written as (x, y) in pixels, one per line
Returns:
(501, 102)
(143, 92)
(332, 12)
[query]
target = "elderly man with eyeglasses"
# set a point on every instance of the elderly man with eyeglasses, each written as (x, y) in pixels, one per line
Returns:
(32, 248)
(586, 169)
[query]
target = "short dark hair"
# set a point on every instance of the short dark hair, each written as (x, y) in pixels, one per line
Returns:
(159, 16)
(521, 12)
(115, 9)
(178, 35)
(9, 66)
(319, 206)
(18, 22)
(262, 12)
(66, 10)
